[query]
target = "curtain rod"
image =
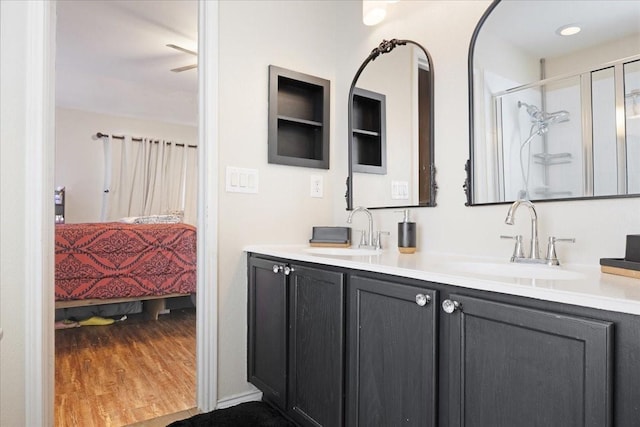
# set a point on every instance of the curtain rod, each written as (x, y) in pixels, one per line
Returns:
(102, 135)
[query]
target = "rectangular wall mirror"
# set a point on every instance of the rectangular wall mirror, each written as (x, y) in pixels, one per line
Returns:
(555, 101)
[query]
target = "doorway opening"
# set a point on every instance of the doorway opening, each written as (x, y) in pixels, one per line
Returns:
(116, 74)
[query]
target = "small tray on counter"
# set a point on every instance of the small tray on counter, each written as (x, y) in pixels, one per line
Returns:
(338, 237)
(620, 267)
(322, 244)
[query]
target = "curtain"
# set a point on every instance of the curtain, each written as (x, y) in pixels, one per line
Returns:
(149, 177)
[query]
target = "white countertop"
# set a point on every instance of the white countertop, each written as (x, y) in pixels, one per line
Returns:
(587, 286)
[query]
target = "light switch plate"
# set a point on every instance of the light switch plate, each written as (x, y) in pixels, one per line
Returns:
(241, 180)
(399, 190)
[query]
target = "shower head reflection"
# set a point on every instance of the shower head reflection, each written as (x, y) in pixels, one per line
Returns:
(543, 119)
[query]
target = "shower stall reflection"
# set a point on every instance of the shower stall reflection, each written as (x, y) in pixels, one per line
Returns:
(540, 122)
(538, 146)
(573, 136)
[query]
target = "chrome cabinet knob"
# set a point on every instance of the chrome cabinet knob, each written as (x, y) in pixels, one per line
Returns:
(450, 306)
(422, 299)
(277, 268)
(288, 270)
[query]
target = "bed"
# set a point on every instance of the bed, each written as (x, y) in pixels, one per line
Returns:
(103, 263)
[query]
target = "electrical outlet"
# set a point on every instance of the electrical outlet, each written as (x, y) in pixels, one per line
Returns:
(316, 186)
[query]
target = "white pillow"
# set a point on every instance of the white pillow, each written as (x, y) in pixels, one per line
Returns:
(151, 219)
(158, 219)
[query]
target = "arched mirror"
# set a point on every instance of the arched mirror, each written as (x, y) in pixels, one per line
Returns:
(391, 129)
(554, 92)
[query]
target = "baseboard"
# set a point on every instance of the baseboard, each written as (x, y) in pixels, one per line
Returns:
(250, 396)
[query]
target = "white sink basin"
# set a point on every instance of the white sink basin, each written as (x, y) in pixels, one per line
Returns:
(342, 251)
(525, 271)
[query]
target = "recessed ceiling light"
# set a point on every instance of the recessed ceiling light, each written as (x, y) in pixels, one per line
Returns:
(568, 30)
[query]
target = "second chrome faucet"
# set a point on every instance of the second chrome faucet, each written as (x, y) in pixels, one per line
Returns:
(534, 251)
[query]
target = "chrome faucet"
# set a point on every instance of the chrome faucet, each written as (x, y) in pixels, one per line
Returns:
(534, 253)
(369, 238)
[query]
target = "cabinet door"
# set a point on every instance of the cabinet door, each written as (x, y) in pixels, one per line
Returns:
(267, 328)
(514, 366)
(392, 354)
(316, 346)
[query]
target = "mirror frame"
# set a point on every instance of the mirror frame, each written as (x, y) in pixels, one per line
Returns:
(387, 46)
(468, 185)
(468, 167)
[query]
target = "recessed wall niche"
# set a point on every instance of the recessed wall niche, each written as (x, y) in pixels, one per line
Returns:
(298, 119)
(369, 132)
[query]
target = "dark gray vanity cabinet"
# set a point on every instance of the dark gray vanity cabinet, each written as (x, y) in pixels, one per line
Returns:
(268, 330)
(297, 313)
(392, 352)
(316, 346)
(338, 347)
(515, 366)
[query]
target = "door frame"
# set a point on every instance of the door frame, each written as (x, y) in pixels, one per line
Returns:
(207, 288)
(39, 147)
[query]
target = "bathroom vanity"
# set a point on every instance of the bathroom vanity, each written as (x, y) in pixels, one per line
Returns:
(435, 340)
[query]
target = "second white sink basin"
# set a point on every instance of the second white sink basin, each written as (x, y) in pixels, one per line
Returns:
(342, 251)
(524, 271)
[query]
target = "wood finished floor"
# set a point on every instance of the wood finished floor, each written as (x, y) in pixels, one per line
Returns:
(126, 373)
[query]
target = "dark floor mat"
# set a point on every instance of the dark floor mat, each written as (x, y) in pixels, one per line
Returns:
(249, 414)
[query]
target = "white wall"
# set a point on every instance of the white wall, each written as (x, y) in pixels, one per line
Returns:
(12, 209)
(593, 57)
(79, 164)
(301, 36)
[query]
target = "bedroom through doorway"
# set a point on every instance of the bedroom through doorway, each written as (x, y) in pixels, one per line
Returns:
(126, 181)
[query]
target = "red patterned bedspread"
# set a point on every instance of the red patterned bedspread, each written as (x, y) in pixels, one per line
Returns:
(117, 260)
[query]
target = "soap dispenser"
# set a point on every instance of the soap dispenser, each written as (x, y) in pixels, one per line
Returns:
(406, 234)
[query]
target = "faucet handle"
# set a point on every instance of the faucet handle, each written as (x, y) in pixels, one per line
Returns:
(517, 249)
(378, 242)
(363, 238)
(552, 258)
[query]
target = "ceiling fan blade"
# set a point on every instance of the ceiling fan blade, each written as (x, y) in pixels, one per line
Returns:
(181, 49)
(185, 68)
